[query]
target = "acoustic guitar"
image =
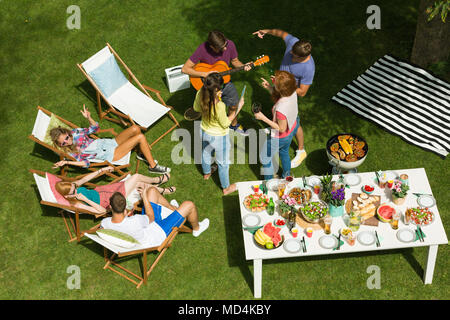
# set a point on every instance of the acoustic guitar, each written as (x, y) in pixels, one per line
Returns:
(223, 69)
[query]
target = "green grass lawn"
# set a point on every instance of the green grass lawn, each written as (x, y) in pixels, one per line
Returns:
(38, 57)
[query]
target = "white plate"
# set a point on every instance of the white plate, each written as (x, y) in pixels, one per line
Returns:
(426, 201)
(251, 220)
(272, 184)
(292, 245)
(328, 242)
(313, 180)
(406, 235)
(366, 238)
(352, 179)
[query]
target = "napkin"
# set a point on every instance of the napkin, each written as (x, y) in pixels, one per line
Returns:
(417, 236)
(252, 230)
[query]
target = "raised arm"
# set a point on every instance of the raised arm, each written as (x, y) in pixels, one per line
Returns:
(274, 32)
(93, 175)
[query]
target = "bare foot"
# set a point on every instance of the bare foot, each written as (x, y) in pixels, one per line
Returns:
(206, 176)
(232, 188)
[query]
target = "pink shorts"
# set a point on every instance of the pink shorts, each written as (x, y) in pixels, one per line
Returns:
(107, 191)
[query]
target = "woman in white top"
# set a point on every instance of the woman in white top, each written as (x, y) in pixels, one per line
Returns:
(284, 123)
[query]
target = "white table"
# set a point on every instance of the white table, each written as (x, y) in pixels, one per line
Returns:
(418, 181)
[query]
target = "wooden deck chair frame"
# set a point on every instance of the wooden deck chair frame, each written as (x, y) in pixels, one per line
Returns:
(73, 225)
(112, 263)
(123, 118)
(94, 165)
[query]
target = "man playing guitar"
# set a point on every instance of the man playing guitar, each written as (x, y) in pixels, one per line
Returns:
(218, 48)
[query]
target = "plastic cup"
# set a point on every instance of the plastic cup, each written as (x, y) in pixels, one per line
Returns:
(390, 183)
(309, 232)
(294, 232)
(256, 188)
(316, 189)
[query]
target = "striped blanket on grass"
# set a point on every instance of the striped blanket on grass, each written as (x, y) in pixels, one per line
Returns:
(405, 100)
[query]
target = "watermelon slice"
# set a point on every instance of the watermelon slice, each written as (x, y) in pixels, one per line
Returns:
(385, 212)
(273, 232)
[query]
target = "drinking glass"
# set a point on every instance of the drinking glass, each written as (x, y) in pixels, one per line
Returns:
(328, 221)
(281, 188)
(256, 107)
(395, 219)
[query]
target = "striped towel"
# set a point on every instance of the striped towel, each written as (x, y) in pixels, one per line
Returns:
(405, 100)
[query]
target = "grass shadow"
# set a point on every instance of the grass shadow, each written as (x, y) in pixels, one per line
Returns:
(233, 235)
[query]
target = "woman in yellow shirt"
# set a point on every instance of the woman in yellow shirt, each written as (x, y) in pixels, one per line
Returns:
(215, 126)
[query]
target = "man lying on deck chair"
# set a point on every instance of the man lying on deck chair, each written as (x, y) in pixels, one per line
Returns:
(149, 228)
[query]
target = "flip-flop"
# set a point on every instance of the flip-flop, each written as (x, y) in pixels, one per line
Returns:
(161, 179)
(169, 189)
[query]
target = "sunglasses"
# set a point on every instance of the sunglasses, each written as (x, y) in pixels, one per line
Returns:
(224, 46)
(65, 141)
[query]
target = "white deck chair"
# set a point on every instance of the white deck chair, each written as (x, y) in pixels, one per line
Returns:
(118, 252)
(40, 128)
(125, 100)
(49, 198)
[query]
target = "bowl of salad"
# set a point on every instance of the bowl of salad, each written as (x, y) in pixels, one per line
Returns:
(420, 216)
(314, 211)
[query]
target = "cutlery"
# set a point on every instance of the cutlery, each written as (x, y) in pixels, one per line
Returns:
(378, 240)
(422, 194)
(422, 235)
(339, 242)
(378, 178)
(417, 234)
(304, 245)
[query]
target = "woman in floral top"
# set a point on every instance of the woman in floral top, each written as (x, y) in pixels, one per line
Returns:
(83, 148)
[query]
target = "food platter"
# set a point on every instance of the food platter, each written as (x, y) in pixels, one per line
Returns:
(300, 195)
(366, 238)
(314, 211)
(256, 202)
(426, 201)
(251, 220)
(421, 216)
(328, 242)
(406, 235)
(292, 245)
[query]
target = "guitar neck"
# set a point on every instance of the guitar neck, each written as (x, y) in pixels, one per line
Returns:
(228, 72)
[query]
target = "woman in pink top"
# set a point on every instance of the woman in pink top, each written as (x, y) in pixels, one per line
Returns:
(284, 123)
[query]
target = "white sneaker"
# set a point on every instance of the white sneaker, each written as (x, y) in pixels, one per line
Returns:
(298, 159)
(174, 203)
(202, 226)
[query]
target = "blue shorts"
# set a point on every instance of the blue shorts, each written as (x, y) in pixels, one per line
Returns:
(175, 219)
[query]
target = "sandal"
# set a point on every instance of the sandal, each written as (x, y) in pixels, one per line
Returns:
(165, 176)
(168, 190)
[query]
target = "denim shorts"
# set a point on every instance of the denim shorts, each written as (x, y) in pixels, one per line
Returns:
(230, 95)
(102, 148)
(175, 219)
